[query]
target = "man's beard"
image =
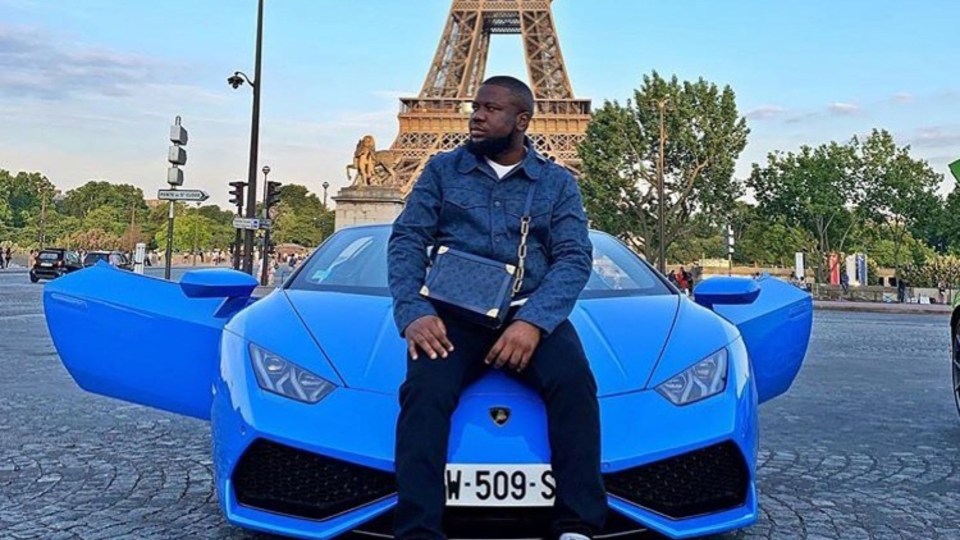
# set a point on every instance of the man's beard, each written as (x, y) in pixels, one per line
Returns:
(490, 146)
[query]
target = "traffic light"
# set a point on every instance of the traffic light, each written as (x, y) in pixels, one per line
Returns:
(236, 195)
(273, 193)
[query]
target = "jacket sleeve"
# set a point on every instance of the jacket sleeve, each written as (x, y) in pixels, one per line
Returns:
(571, 256)
(413, 231)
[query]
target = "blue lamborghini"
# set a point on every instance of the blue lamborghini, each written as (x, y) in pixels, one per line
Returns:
(300, 387)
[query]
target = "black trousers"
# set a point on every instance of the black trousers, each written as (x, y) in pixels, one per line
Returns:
(558, 371)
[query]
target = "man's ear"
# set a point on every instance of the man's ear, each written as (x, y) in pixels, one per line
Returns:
(523, 121)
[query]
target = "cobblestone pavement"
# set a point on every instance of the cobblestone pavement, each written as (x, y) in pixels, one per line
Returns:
(864, 446)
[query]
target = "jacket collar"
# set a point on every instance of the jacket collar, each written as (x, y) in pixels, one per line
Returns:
(532, 164)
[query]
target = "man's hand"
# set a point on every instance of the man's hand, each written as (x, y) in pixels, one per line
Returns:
(515, 346)
(430, 335)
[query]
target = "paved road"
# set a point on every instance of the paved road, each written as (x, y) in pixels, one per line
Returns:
(865, 446)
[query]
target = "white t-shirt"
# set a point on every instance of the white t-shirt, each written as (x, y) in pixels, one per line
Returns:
(501, 170)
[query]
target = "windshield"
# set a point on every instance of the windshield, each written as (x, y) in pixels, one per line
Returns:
(92, 258)
(355, 260)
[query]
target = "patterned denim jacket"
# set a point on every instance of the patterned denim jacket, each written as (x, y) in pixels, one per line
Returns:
(459, 202)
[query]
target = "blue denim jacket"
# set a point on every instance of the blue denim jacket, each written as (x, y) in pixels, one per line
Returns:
(459, 202)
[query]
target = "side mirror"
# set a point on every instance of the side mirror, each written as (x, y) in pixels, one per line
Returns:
(726, 291)
(217, 283)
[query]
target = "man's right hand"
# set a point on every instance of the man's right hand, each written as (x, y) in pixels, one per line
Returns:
(429, 334)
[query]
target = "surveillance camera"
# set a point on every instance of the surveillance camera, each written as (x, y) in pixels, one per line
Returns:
(235, 81)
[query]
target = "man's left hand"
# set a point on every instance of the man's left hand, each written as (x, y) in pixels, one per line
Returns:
(515, 346)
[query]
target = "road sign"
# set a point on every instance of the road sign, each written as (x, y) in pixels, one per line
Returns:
(197, 195)
(266, 223)
(246, 223)
(955, 169)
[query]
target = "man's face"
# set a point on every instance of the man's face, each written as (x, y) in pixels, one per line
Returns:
(496, 118)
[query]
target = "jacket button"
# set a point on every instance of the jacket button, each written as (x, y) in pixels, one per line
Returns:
(496, 203)
(498, 238)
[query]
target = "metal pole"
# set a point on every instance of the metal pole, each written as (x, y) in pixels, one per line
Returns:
(266, 232)
(237, 243)
(43, 215)
(166, 270)
(195, 233)
(254, 146)
(661, 260)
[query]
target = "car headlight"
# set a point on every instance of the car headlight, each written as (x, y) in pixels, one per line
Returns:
(706, 378)
(274, 374)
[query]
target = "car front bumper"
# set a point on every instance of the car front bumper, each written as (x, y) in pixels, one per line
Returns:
(356, 427)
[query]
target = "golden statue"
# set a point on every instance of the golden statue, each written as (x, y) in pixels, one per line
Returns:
(373, 167)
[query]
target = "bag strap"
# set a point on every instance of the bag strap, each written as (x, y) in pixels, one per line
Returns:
(524, 231)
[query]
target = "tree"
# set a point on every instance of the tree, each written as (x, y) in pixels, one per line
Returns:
(106, 218)
(816, 189)
(301, 217)
(90, 240)
(902, 189)
(24, 194)
(95, 194)
(704, 136)
(191, 232)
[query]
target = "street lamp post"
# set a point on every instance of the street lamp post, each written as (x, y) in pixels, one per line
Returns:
(661, 258)
(236, 81)
(325, 186)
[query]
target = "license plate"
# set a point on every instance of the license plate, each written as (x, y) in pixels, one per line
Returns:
(46, 265)
(500, 485)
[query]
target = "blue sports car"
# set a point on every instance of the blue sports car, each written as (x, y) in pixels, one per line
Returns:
(300, 387)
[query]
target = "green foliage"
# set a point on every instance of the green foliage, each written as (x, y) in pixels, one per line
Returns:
(704, 135)
(23, 195)
(301, 217)
(106, 218)
(91, 239)
(191, 231)
(934, 271)
(93, 195)
(900, 189)
(834, 190)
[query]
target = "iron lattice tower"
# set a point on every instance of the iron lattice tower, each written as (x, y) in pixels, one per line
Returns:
(437, 119)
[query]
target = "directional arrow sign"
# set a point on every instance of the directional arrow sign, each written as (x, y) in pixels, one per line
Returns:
(182, 195)
(246, 223)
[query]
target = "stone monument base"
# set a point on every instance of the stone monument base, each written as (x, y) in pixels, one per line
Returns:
(365, 205)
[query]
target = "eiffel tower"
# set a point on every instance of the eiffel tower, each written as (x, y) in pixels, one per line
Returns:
(437, 119)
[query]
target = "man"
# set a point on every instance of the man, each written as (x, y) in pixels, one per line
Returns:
(471, 199)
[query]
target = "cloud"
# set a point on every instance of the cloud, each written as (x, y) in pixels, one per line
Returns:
(800, 118)
(765, 112)
(844, 109)
(937, 137)
(903, 97)
(33, 64)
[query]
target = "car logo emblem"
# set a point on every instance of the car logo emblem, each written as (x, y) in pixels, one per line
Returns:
(499, 415)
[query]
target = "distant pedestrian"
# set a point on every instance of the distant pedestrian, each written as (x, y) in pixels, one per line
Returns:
(844, 281)
(901, 290)
(6, 257)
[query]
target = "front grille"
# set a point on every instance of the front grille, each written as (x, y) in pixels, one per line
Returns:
(700, 482)
(285, 480)
(472, 522)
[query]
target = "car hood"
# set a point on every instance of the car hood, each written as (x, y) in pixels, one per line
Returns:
(623, 337)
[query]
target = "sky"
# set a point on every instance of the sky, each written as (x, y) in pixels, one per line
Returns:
(89, 88)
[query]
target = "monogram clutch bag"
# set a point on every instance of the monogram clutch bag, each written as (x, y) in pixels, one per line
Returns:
(475, 288)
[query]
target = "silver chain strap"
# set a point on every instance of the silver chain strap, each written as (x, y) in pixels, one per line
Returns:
(521, 253)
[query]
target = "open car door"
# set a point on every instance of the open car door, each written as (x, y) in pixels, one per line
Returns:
(143, 339)
(776, 330)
